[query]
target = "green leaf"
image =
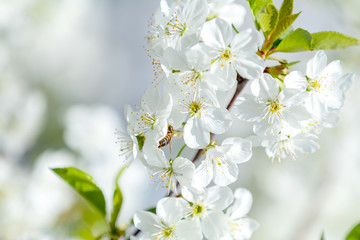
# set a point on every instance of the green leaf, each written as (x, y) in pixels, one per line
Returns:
(268, 19)
(286, 8)
(331, 41)
(285, 34)
(85, 185)
(256, 7)
(117, 199)
(281, 27)
(297, 41)
(322, 236)
(354, 233)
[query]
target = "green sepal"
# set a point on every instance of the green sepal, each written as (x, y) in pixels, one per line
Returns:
(141, 140)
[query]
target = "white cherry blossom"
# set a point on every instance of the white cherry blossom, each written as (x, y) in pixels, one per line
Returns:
(204, 117)
(325, 84)
(290, 145)
(220, 164)
(170, 171)
(269, 108)
(232, 53)
(167, 224)
(240, 226)
(153, 114)
(207, 207)
(178, 26)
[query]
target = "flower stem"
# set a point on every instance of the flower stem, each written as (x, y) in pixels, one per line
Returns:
(183, 147)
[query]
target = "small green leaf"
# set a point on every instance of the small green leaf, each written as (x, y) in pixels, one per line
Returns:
(286, 8)
(256, 7)
(354, 233)
(85, 185)
(117, 199)
(322, 236)
(283, 25)
(297, 41)
(285, 34)
(268, 19)
(331, 41)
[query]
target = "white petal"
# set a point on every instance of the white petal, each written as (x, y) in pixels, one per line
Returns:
(184, 170)
(269, 88)
(224, 71)
(217, 33)
(248, 108)
(164, 107)
(245, 229)
(333, 70)
(233, 14)
(174, 60)
(203, 174)
(296, 80)
(242, 203)
(305, 145)
(218, 197)
(170, 210)
(189, 229)
(250, 66)
(214, 225)
(345, 82)
(155, 157)
(145, 221)
(246, 41)
(195, 13)
(316, 65)
(151, 100)
(241, 150)
(217, 82)
(225, 173)
(191, 194)
(333, 118)
(195, 134)
(216, 120)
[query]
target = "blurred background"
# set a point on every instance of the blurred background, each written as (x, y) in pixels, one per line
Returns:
(67, 67)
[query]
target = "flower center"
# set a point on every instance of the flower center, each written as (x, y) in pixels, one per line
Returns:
(166, 232)
(175, 27)
(274, 109)
(195, 108)
(198, 209)
(149, 120)
(314, 85)
(226, 55)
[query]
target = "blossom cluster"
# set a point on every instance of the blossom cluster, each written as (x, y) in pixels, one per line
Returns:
(288, 118)
(201, 52)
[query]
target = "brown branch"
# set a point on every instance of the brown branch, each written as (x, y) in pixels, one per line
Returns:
(241, 82)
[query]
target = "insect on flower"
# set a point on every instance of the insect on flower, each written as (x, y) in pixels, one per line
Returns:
(168, 137)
